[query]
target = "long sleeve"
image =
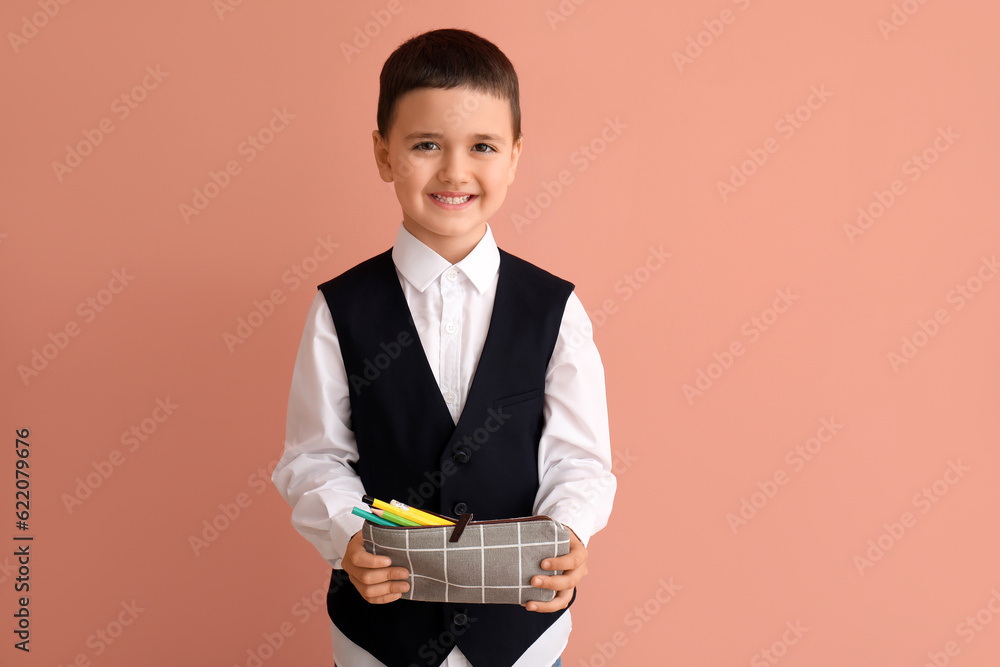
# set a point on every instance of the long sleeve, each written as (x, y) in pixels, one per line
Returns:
(314, 474)
(576, 485)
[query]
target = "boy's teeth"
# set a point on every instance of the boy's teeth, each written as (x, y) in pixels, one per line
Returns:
(452, 200)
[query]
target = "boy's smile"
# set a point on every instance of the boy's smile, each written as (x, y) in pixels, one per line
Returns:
(450, 154)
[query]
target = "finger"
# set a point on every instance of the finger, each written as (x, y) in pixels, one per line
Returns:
(362, 558)
(380, 590)
(396, 573)
(560, 601)
(374, 576)
(556, 582)
(570, 561)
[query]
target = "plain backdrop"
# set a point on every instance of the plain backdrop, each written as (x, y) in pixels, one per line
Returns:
(782, 217)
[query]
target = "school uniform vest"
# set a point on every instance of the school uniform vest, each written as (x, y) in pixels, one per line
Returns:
(410, 449)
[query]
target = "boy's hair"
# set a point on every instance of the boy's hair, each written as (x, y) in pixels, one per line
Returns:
(446, 58)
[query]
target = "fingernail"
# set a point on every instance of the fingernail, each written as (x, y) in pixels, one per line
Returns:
(546, 565)
(537, 581)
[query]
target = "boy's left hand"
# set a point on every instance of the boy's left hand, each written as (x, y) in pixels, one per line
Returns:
(574, 566)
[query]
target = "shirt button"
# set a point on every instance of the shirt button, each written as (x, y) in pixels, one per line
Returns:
(449, 397)
(452, 275)
(450, 327)
(461, 619)
(460, 509)
(461, 456)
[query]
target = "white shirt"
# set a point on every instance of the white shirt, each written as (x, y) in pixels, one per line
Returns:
(451, 307)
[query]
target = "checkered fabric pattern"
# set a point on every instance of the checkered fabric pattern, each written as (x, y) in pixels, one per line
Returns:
(492, 562)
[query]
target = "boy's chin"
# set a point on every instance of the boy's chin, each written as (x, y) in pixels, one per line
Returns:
(438, 227)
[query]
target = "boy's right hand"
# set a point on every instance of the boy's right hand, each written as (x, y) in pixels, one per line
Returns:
(372, 575)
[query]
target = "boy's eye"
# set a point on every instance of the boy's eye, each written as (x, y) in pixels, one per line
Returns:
(431, 145)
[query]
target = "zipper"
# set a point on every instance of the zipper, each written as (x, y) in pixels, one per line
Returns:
(537, 517)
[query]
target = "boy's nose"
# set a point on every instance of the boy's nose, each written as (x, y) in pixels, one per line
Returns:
(455, 169)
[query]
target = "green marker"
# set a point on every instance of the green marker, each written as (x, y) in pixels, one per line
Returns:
(396, 519)
(377, 520)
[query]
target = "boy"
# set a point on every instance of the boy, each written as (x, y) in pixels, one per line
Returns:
(447, 374)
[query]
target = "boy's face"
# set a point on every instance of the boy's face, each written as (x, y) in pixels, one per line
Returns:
(450, 154)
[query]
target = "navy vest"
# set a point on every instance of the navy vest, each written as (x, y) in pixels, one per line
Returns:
(411, 450)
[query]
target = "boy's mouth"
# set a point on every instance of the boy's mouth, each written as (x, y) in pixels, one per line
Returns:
(453, 201)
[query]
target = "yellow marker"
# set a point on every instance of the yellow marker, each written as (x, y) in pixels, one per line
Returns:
(396, 519)
(417, 515)
(399, 509)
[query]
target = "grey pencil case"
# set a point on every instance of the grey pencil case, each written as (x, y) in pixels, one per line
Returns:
(490, 562)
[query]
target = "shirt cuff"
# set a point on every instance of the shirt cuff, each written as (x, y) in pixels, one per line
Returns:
(342, 528)
(579, 520)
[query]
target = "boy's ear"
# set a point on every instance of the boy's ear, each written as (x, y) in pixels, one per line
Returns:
(382, 156)
(514, 155)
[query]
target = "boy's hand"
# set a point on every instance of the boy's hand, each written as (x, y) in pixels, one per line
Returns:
(574, 566)
(372, 575)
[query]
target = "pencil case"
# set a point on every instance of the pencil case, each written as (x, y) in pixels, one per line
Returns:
(473, 561)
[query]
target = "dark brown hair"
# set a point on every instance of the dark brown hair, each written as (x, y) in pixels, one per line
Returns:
(446, 58)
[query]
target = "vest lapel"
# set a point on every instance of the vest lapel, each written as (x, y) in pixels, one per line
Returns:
(496, 331)
(402, 320)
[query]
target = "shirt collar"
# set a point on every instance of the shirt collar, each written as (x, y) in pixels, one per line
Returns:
(421, 266)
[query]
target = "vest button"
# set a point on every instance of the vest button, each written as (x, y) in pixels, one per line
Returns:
(461, 619)
(461, 456)
(460, 509)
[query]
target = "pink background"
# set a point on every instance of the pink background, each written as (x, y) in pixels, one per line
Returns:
(672, 131)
